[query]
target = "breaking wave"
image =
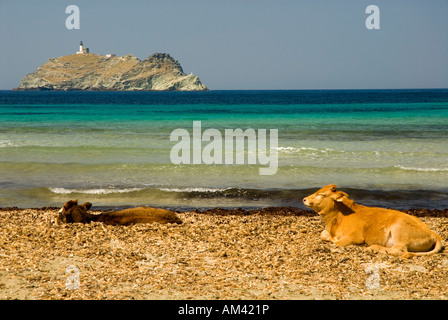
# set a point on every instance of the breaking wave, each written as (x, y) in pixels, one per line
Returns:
(6, 143)
(93, 191)
(421, 169)
(232, 197)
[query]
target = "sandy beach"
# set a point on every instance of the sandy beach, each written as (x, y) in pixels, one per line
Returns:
(272, 253)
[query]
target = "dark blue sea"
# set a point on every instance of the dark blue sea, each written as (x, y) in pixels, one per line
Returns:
(385, 148)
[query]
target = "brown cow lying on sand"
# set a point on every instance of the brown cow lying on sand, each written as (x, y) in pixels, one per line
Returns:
(382, 230)
(72, 212)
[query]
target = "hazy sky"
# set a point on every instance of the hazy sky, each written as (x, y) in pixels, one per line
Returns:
(244, 44)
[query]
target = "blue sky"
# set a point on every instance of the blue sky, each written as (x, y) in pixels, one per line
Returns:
(244, 44)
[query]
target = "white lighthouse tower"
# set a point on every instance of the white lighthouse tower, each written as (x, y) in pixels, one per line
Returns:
(82, 49)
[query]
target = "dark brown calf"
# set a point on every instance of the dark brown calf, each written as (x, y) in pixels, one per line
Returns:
(72, 212)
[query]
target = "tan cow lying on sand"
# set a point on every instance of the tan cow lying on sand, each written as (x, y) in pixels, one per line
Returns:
(72, 212)
(382, 230)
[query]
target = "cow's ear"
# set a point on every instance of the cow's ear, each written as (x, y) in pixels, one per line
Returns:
(86, 205)
(333, 187)
(347, 202)
(339, 196)
(342, 197)
(336, 196)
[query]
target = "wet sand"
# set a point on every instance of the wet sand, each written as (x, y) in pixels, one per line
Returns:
(273, 253)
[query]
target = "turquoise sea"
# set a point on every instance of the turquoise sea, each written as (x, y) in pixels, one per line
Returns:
(384, 147)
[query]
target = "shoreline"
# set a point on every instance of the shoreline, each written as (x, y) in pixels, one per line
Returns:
(219, 254)
(245, 211)
(205, 198)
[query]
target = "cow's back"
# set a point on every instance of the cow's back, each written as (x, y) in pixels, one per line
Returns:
(138, 215)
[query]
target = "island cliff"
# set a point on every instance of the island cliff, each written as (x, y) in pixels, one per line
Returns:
(89, 71)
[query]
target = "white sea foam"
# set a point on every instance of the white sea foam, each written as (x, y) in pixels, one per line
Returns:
(93, 191)
(194, 189)
(421, 169)
(300, 149)
(6, 143)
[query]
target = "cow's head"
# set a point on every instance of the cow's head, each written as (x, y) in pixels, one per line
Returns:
(72, 212)
(327, 198)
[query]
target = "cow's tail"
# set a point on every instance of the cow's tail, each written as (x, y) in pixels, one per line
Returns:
(438, 246)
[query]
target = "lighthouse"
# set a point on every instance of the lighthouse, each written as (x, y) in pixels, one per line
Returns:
(82, 49)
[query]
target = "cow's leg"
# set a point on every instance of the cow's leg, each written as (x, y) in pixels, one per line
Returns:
(342, 242)
(353, 238)
(376, 248)
(395, 250)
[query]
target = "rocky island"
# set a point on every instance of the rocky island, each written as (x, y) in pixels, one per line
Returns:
(89, 71)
